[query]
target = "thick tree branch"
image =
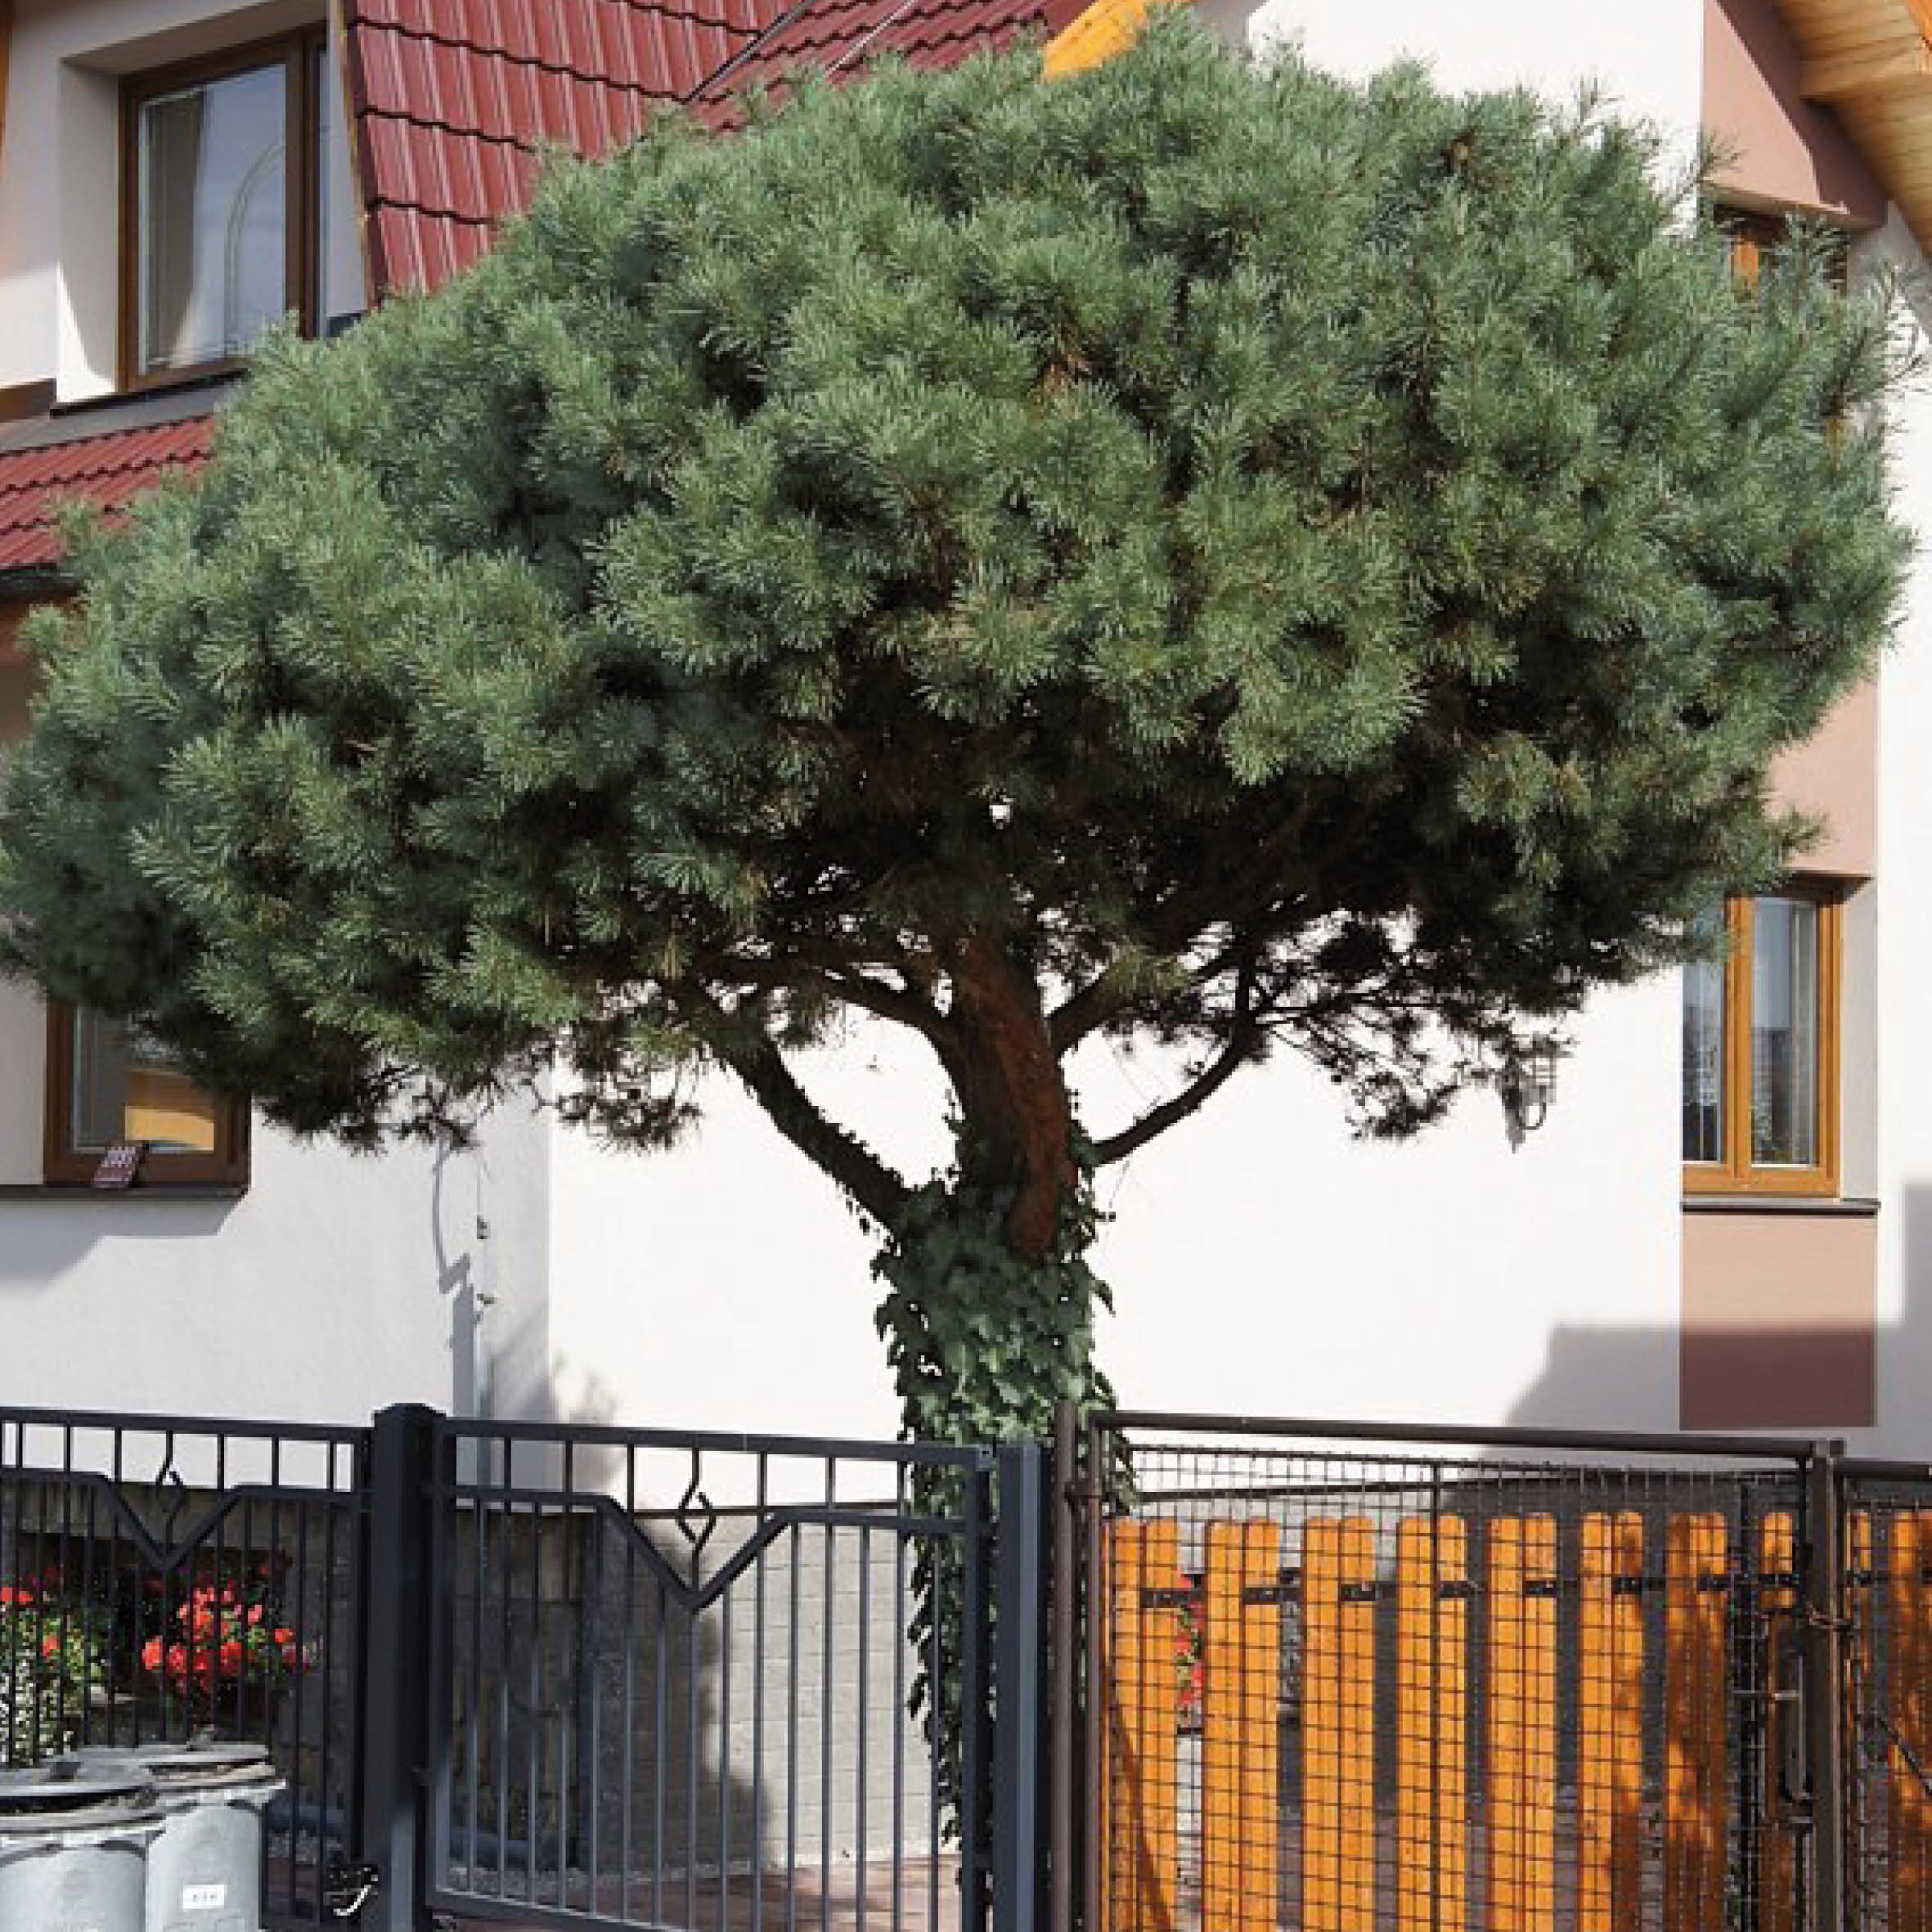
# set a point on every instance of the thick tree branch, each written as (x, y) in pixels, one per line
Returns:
(1092, 1005)
(851, 1165)
(1245, 1036)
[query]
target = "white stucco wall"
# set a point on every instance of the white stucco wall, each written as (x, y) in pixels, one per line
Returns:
(336, 1284)
(1904, 946)
(59, 190)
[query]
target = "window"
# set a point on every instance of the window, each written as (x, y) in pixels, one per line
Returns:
(107, 1084)
(222, 183)
(1758, 240)
(1760, 1049)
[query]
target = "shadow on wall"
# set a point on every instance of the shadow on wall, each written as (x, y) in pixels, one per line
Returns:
(1782, 1333)
(42, 1240)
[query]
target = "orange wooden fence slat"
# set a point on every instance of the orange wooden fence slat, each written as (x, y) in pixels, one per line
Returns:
(1610, 1719)
(1338, 1725)
(1240, 1749)
(1696, 1845)
(1144, 1710)
(1778, 1869)
(1432, 1723)
(1911, 1732)
(1522, 1724)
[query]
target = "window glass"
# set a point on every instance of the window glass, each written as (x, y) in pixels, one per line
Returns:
(1704, 1054)
(1784, 1033)
(126, 1088)
(211, 233)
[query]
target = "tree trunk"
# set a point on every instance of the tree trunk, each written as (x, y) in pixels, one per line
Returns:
(1019, 1130)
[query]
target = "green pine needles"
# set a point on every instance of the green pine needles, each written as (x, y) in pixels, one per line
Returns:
(1201, 552)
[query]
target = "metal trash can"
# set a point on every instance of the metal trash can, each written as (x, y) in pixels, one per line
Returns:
(73, 1844)
(205, 1867)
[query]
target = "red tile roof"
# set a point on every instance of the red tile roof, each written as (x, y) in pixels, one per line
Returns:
(452, 100)
(106, 470)
(841, 37)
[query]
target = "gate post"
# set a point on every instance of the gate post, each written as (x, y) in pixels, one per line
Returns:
(1019, 1844)
(1063, 1661)
(1824, 1687)
(399, 1625)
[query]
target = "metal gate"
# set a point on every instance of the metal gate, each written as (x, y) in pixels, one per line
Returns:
(693, 1680)
(1343, 1679)
(163, 1574)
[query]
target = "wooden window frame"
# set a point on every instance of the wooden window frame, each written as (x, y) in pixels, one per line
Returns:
(64, 1165)
(1737, 1173)
(304, 77)
(1755, 235)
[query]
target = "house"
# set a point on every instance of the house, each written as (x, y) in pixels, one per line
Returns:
(1722, 1219)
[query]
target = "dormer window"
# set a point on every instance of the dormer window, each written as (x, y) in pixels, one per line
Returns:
(223, 177)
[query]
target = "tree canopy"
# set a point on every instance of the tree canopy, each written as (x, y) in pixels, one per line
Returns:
(1204, 552)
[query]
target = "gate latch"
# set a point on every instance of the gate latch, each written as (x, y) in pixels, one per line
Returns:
(348, 1886)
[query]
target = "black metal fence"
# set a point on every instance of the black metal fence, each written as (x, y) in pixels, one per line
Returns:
(1197, 1674)
(161, 1575)
(1885, 1531)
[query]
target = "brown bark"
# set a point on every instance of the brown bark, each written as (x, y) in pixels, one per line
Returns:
(1019, 1121)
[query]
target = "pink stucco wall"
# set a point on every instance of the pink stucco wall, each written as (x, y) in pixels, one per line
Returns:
(1835, 775)
(1779, 1322)
(1785, 152)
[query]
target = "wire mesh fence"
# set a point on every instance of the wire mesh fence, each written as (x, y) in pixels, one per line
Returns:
(1348, 1687)
(1887, 1541)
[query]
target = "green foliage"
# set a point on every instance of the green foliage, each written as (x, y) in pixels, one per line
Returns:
(53, 1652)
(1299, 562)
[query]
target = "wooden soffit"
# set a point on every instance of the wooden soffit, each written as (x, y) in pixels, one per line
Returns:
(1871, 62)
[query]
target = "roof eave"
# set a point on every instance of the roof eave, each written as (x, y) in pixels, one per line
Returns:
(1870, 61)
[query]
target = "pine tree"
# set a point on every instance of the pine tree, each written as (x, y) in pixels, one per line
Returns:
(1203, 553)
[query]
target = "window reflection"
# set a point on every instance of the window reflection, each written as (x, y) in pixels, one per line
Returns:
(212, 232)
(127, 1088)
(1784, 1033)
(1703, 1052)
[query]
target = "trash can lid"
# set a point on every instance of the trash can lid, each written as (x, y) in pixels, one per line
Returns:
(201, 1761)
(66, 1797)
